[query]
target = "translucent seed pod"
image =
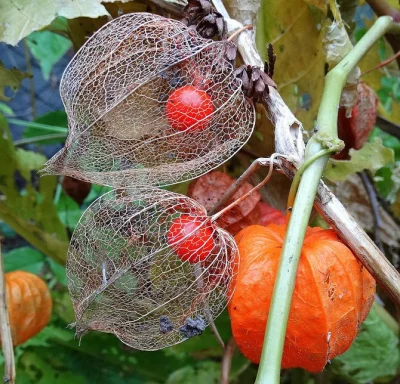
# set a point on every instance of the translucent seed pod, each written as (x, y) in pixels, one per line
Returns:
(131, 273)
(118, 90)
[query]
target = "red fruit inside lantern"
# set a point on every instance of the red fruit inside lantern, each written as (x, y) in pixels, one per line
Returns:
(191, 238)
(189, 108)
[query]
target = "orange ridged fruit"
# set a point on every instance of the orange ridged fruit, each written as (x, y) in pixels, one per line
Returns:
(29, 305)
(332, 296)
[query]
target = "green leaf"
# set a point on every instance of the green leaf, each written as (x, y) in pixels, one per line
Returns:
(371, 156)
(387, 140)
(47, 48)
(374, 354)
(25, 259)
(11, 78)
(62, 307)
(29, 209)
(55, 118)
(6, 109)
(203, 372)
(59, 272)
(68, 211)
(48, 334)
(95, 192)
(40, 371)
(19, 19)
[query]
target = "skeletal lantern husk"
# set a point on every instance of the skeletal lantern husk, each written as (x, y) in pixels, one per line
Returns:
(115, 91)
(125, 278)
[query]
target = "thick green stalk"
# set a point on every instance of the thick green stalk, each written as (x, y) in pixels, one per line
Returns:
(324, 138)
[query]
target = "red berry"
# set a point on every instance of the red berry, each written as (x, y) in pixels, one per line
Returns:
(189, 108)
(199, 242)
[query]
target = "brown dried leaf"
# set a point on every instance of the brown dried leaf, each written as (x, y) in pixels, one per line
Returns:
(209, 188)
(270, 215)
(353, 196)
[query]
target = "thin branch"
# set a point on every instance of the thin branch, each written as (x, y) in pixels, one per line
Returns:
(382, 8)
(269, 161)
(39, 139)
(6, 339)
(227, 361)
(388, 127)
(375, 208)
(240, 30)
(198, 273)
(382, 64)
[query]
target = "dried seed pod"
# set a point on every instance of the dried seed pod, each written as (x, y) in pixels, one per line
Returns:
(132, 273)
(116, 90)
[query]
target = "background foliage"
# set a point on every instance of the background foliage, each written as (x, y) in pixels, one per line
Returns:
(37, 217)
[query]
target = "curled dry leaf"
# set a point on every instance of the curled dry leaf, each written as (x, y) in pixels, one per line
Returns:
(115, 91)
(355, 129)
(201, 14)
(209, 188)
(270, 215)
(148, 266)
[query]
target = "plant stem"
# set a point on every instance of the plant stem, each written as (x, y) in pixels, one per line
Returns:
(324, 138)
(6, 339)
(24, 123)
(40, 139)
(227, 361)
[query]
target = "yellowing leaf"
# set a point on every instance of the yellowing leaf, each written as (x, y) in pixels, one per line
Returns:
(10, 78)
(294, 28)
(19, 18)
(322, 5)
(371, 156)
(31, 211)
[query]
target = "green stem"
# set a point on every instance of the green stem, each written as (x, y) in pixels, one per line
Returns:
(24, 123)
(40, 139)
(325, 138)
(300, 171)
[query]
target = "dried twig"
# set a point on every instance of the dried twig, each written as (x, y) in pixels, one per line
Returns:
(227, 361)
(6, 339)
(375, 208)
(254, 167)
(388, 127)
(383, 64)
